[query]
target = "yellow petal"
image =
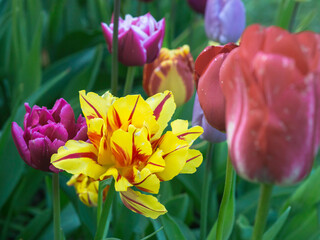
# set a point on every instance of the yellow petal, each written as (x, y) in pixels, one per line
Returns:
(156, 163)
(93, 106)
(131, 109)
(180, 129)
(78, 157)
(143, 204)
(121, 183)
(105, 156)
(121, 147)
(146, 181)
(194, 159)
(174, 154)
(163, 107)
(95, 130)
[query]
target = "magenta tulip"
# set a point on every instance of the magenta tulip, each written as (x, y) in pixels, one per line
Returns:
(207, 69)
(198, 5)
(140, 39)
(272, 88)
(45, 131)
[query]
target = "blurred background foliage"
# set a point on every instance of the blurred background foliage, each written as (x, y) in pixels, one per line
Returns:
(51, 49)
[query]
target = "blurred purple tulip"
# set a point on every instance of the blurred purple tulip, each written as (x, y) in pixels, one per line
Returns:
(225, 20)
(140, 39)
(209, 133)
(198, 5)
(45, 131)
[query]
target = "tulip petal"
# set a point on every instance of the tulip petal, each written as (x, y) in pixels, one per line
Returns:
(107, 33)
(131, 50)
(174, 155)
(17, 135)
(194, 160)
(95, 131)
(146, 181)
(156, 162)
(180, 129)
(93, 106)
(40, 153)
(78, 157)
(163, 107)
(143, 204)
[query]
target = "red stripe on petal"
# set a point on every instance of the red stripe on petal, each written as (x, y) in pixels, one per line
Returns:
(142, 180)
(174, 151)
(187, 133)
(134, 108)
(193, 158)
(95, 110)
(158, 109)
(140, 204)
(79, 155)
(155, 164)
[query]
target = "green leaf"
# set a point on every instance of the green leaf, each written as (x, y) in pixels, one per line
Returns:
(171, 228)
(33, 229)
(276, 227)
(245, 229)
(156, 225)
(285, 11)
(178, 206)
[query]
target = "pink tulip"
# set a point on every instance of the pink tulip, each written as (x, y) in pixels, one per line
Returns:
(45, 130)
(140, 39)
(272, 89)
(207, 69)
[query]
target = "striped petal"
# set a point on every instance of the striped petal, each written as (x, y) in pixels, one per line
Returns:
(194, 159)
(93, 105)
(143, 204)
(95, 130)
(163, 107)
(131, 109)
(121, 183)
(78, 157)
(180, 129)
(146, 181)
(174, 154)
(156, 163)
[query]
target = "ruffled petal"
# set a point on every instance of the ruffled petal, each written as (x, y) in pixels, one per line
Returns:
(17, 135)
(146, 181)
(180, 129)
(174, 154)
(143, 204)
(121, 183)
(78, 157)
(194, 160)
(156, 163)
(163, 107)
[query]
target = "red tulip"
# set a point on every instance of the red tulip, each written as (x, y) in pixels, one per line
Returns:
(272, 90)
(207, 69)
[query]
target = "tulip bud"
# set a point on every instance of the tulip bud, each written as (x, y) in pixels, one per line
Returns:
(209, 133)
(173, 71)
(139, 39)
(272, 89)
(198, 5)
(224, 20)
(207, 70)
(87, 189)
(45, 131)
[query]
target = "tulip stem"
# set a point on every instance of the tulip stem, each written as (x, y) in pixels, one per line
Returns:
(227, 192)
(100, 200)
(262, 211)
(129, 81)
(114, 75)
(205, 192)
(56, 206)
(103, 225)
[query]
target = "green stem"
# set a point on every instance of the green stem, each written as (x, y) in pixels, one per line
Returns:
(100, 201)
(56, 206)
(103, 225)
(225, 198)
(262, 211)
(293, 16)
(129, 81)
(172, 23)
(114, 76)
(205, 192)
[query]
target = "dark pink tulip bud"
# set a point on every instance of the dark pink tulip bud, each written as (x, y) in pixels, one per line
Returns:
(272, 90)
(45, 131)
(198, 5)
(207, 69)
(140, 39)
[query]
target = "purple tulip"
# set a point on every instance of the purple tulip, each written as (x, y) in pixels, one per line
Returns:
(45, 131)
(225, 20)
(140, 39)
(198, 5)
(209, 133)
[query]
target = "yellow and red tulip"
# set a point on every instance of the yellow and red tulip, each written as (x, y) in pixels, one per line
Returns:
(127, 143)
(86, 189)
(173, 71)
